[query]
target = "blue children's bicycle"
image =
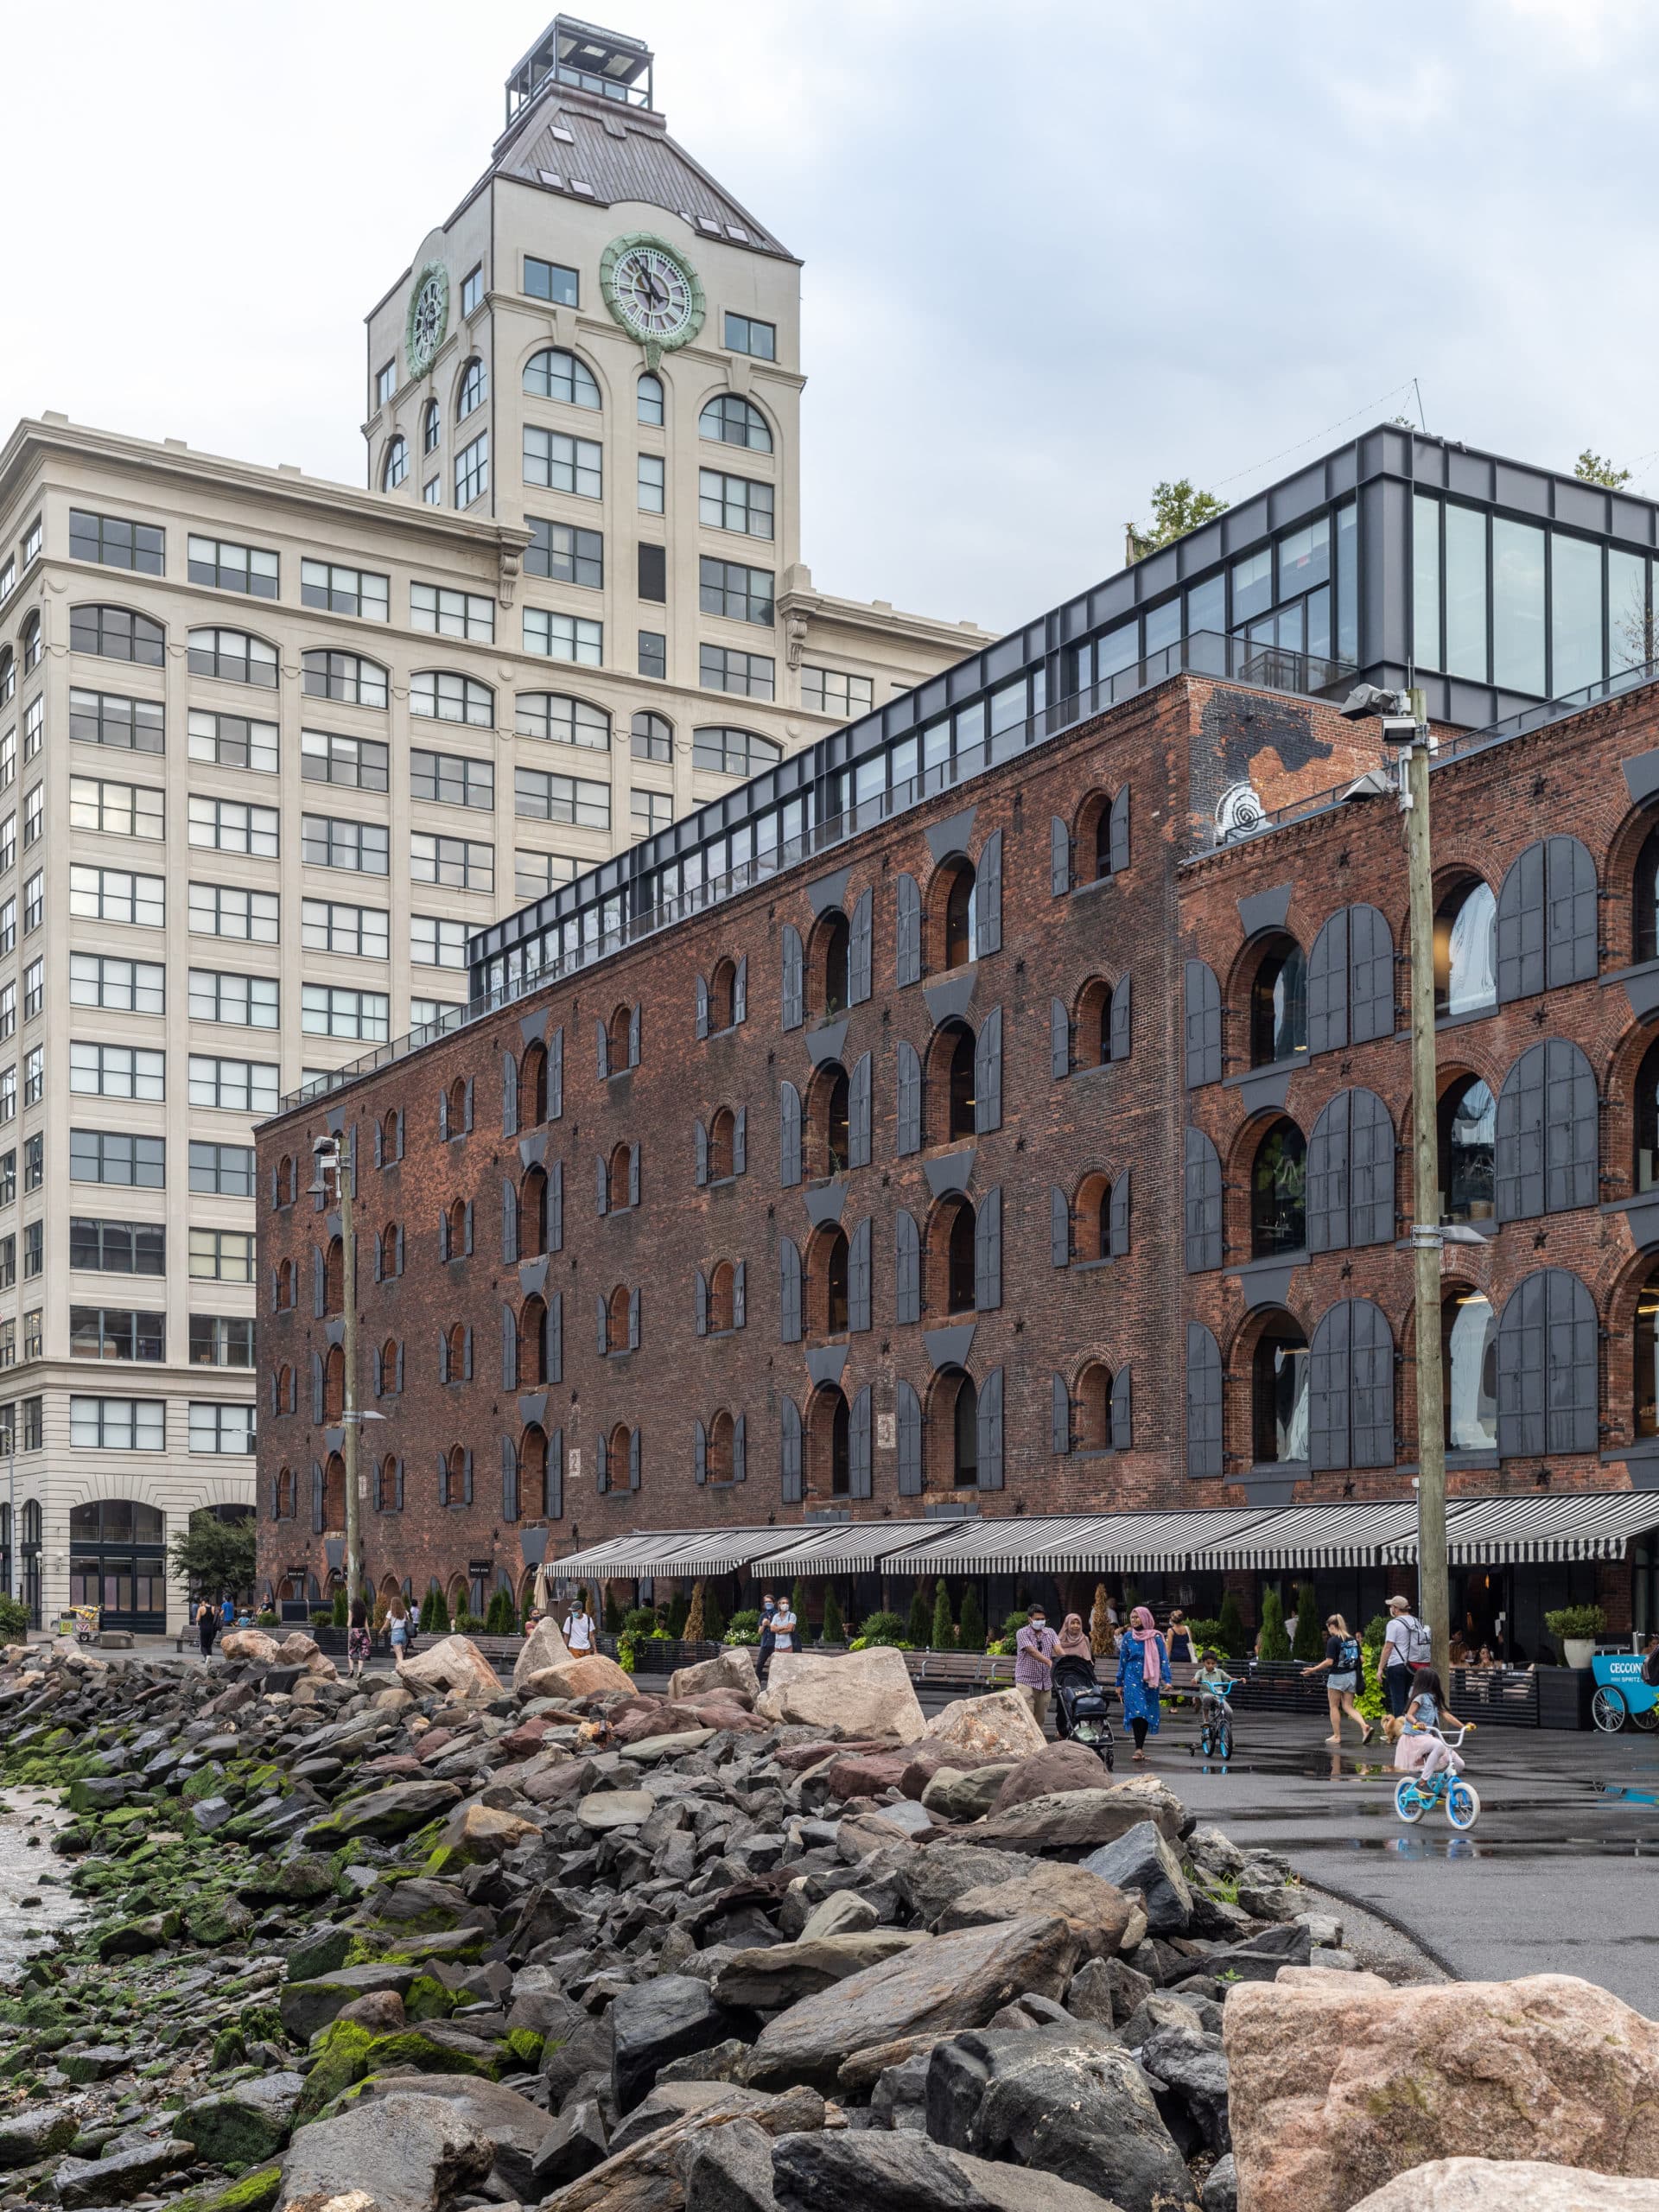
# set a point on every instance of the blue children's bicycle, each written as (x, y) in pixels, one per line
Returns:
(1414, 1796)
(1215, 1728)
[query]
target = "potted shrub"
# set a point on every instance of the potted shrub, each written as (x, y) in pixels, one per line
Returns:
(1576, 1628)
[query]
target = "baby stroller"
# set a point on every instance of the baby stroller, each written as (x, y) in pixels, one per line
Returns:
(1084, 1708)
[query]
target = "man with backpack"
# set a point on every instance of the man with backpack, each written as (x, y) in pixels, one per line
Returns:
(1406, 1647)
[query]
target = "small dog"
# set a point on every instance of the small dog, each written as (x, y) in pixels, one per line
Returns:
(1392, 1726)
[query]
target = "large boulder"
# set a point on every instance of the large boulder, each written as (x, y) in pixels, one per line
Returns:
(299, 1649)
(1508, 2185)
(998, 1725)
(847, 2171)
(928, 1880)
(952, 1796)
(1051, 1772)
(123, 2174)
(543, 1647)
(246, 2124)
(654, 2021)
(308, 2005)
(35, 2133)
(454, 1665)
(1336, 2093)
(572, 1680)
(252, 1644)
(776, 1975)
(863, 1693)
(730, 1670)
(415, 2151)
(956, 1981)
(1100, 1914)
(1082, 1819)
(480, 1831)
(1142, 1860)
(515, 2125)
(399, 1810)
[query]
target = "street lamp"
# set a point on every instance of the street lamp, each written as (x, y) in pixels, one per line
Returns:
(1405, 725)
(329, 1154)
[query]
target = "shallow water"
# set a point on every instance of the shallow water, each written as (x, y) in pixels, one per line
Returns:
(25, 1814)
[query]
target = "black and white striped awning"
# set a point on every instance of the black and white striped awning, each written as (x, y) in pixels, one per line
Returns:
(676, 1553)
(1316, 1536)
(1502, 1531)
(847, 1548)
(1085, 1543)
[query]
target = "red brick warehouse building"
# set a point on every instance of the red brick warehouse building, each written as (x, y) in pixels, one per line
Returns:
(986, 1129)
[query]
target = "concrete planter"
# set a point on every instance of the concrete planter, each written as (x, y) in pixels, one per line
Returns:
(1580, 1649)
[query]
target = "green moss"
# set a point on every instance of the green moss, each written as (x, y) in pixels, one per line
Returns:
(204, 1783)
(342, 2057)
(426, 1998)
(448, 1859)
(526, 2047)
(254, 2192)
(229, 2050)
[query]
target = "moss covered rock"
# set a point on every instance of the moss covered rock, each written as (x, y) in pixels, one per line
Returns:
(254, 2192)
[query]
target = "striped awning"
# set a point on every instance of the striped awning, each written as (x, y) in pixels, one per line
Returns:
(1499, 1531)
(849, 1547)
(1128, 1544)
(1316, 1535)
(677, 1553)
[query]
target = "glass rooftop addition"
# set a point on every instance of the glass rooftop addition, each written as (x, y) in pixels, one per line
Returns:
(571, 52)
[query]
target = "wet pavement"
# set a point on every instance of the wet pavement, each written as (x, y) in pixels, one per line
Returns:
(1559, 1875)
(34, 1900)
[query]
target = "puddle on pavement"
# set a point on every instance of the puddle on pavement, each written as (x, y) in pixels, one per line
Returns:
(31, 1908)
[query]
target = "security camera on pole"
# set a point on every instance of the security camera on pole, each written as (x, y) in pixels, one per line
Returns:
(1405, 725)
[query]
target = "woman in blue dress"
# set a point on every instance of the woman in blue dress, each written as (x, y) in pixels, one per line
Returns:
(1142, 1676)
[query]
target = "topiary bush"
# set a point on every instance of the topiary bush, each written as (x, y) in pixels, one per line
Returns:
(439, 1613)
(834, 1629)
(1308, 1643)
(970, 1628)
(612, 1618)
(942, 1636)
(883, 1629)
(1231, 1633)
(920, 1625)
(502, 1619)
(744, 1628)
(341, 1608)
(1273, 1643)
(714, 1620)
(679, 1606)
(639, 1620)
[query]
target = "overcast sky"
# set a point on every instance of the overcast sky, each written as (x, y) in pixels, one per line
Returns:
(1053, 251)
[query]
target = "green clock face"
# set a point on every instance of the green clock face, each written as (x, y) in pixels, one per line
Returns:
(652, 291)
(428, 317)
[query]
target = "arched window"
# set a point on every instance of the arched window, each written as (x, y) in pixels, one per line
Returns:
(1092, 1408)
(555, 374)
(386, 1495)
(233, 657)
(653, 737)
(112, 632)
(533, 1343)
(457, 1217)
(1279, 1005)
(334, 1277)
(1644, 900)
(431, 426)
(454, 1477)
(722, 997)
(532, 1473)
(347, 678)
(648, 400)
(828, 1444)
(1548, 1380)
(726, 752)
(333, 1385)
(1468, 1119)
(333, 1492)
(617, 1332)
(722, 1132)
(532, 1085)
(1469, 1366)
(618, 1034)
(395, 467)
(458, 1106)
(287, 1393)
(827, 1106)
(389, 1251)
(446, 696)
(284, 1188)
(474, 389)
(835, 955)
(950, 1078)
(1279, 1394)
(454, 1360)
(284, 1285)
(533, 1212)
(285, 1494)
(1103, 848)
(959, 1259)
(1278, 1192)
(388, 1362)
(1465, 938)
(1645, 1407)
(389, 1136)
(829, 1262)
(960, 916)
(730, 421)
(562, 721)
(722, 1287)
(1090, 1220)
(620, 1173)
(964, 1435)
(34, 640)
(722, 1453)
(1647, 1120)
(8, 676)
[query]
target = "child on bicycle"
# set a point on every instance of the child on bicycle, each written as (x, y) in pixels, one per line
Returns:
(1427, 1714)
(1212, 1682)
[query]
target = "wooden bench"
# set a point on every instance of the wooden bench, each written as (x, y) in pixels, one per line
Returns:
(969, 1670)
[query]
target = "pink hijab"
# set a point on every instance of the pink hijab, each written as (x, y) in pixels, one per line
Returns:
(1152, 1670)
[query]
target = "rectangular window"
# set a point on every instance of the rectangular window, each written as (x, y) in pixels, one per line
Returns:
(649, 811)
(651, 578)
(223, 566)
(116, 1332)
(222, 910)
(115, 542)
(357, 763)
(472, 288)
(34, 1161)
(326, 925)
(328, 841)
(116, 1248)
(555, 461)
(8, 1358)
(740, 594)
(231, 741)
(451, 613)
(566, 554)
(9, 758)
(746, 333)
(472, 469)
(1575, 624)
(653, 654)
(653, 482)
(118, 810)
(107, 718)
(8, 1262)
(830, 692)
(34, 1252)
(9, 1093)
(551, 280)
(33, 1425)
(107, 894)
(434, 943)
(721, 668)
(564, 637)
(432, 492)
(342, 590)
(534, 875)
(221, 1255)
(118, 1424)
(229, 825)
(220, 1340)
(1518, 607)
(245, 1001)
(540, 797)
(8, 1009)
(8, 843)
(385, 383)
(32, 543)
(1465, 593)
(436, 1014)
(34, 989)
(1426, 582)
(34, 1075)
(452, 780)
(325, 1010)
(33, 1332)
(464, 863)
(221, 1428)
(8, 1177)
(35, 899)
(734, 503)
(112, 1156)
(226, 1170)
(116, 1071)
(8, 578)
(237, 1086)
(139, 807)
(34, 727)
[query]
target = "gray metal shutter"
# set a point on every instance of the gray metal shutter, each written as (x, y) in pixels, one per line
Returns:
(789, 1291)
(788, 1134)
(400, 1247)
(556, 1208)
(319, 1282)
(1118, 832)
(443, 1115)
(1523, 1335)
(316, 1498)
(509, 1220)
(509, 1349)
(740, 1002)
(467, 1245)
(601, 1463)
(988, 1253)
(467, 1126)
(509, 1479)
(1370, 1387)
(859, 1454)
(987, 897)
(699, 1452)
(858, 1113)
(861, 933)
(509, 1095)
(858, 1277)
(1117, 1217)
(1059, 1227)
(400, 1491)
(1370, 1170)
(633, 1319)
(1520, 927)
(1571, 1134)
(794, 979)
(702, 1303)
(467, 1354)
(990, 1431)
(907, 941)
(1203, 1402)
(602, 1325)
(702, 1006)
(601, 1049)
(1202, 996)
(908, 1409)
(380, 1256)
(740, 1293)
(400, 1369)
(1122, 1409)
(1059, 1040)
(788, 1451)
(907, 1267)
(1518, 1152)
(1201, 1204)
(316, 1387)
(700, 1150)
(988, 1074)
(1327, 986)
(908, 1128)
(1059, 1422)
(556, 1076)
(740, 1449)
(1370, 975)
(1571, 1374)
(633, 1458)
(553, 1360)
(1059, 857)
(556, 1476)
(1328, 1388)
(633, 1037)
(1571, 926)
(443, 1238)
(740, 1142)
(444, 1374)
(1328, 1177)
(633, 1174)
(1122, 1026)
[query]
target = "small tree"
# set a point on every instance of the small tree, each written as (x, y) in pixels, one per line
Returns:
(612, 1622)
(834, 1629)
(1591, 468)
(342, 1614)
(213, 1555)
(1273, 1644)
(1235, 1642)
(679, 1611)
(695, 1630)
(1176, 508)
(424, 1618)
(714, 1617)
(439, 1613)
(970, 1629)
(798, 1604)
(1309, 1644)
(502, 1619)
(921, 1617)
(1100, 1626)
(944, 1635)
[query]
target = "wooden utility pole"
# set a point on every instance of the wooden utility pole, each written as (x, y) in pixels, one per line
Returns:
(346, 1173)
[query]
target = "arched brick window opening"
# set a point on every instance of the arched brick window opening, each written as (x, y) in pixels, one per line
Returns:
(722, 1298)
(1279, 1381)
(389, 1364)
(454, 1477)
(1465, 947)
(533, 1212)
(333, 1386)
(456, 1342)
(389, 1251)
(1091, 1218)
(385, 1493)
(1469, 1370)
(532, 1473)
(1093, 1047)
(950, 1432)
(1644, 900)
(1092, 1408)
(1279, 1004)
(1468, 1135)
(723, 1146)
(285, 1494)
(285, 1390)
(827, 1101)
(457, 1228)
(831, 958)
(457, 1106)
(950, 1256)
(532, 1341)
(955, 916)
(334, 1277)
(621, 1168)
(284, 1285)
(617, 1039)
(621, 1443)
(721, 1432)
(829, 1453)
(948, 1083)
(1279, 1191)
(389, 1133)
(616, 1324)
(532, 1086)
(333, 1494)
(827, 1270)
(1645, 1166)
(723, 996)
(285, 1180)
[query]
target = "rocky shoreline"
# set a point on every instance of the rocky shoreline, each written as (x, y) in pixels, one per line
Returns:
(448, 1943)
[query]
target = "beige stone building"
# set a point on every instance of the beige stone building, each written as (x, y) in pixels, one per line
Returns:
(271, 746)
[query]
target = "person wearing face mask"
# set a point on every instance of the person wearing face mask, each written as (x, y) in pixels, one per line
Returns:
(1034, 1662)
